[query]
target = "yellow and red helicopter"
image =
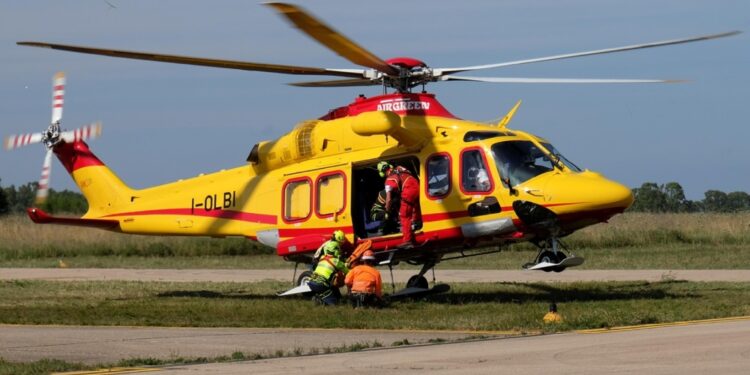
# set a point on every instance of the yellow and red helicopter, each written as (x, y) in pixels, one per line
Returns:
(481, 185)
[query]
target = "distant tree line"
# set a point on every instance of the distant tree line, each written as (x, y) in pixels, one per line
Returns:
(650, 197)
(670, 197)
(17, 199)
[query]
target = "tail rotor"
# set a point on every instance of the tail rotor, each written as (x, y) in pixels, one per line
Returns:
(43, 189)
(52, 136)
(58, 96)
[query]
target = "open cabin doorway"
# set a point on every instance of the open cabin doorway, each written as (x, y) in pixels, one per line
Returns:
(366, 184)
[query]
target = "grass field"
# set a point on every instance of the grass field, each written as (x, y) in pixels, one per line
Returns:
(630, 241)
(469, 306)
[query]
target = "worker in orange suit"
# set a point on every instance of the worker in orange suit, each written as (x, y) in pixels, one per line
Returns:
(364, 283)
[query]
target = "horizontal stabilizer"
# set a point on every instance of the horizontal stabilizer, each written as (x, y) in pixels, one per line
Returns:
(40, 217)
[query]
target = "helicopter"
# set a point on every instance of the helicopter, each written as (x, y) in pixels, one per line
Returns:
(321, 176)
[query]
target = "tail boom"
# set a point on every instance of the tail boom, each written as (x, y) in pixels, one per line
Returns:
(102, 189)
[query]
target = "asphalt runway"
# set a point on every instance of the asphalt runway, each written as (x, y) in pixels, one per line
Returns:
(233, 275)
(719, 348)
(97, 345)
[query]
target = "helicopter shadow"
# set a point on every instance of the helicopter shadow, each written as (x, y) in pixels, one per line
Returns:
(512, 292)
(209, 294)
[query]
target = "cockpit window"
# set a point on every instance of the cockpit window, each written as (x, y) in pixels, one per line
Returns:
(519, 161)
(474, 175)
(561, 158)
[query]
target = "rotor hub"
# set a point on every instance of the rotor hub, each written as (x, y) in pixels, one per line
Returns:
(406, 62)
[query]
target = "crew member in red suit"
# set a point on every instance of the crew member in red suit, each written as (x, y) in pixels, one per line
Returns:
(399, 180)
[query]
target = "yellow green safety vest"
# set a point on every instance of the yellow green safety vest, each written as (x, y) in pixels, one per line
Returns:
(327, 266)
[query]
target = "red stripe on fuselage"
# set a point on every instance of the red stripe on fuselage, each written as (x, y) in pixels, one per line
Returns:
(294, 232)
(220, 214)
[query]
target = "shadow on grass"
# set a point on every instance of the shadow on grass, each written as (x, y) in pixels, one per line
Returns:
(211, 294)
(504, 292)
(510, 292)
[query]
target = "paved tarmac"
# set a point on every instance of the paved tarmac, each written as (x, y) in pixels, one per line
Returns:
(96, 345)
(719, 348)
(218, 275)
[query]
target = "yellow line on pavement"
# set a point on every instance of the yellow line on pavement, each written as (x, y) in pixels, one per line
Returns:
(661, 325)
(110, 371)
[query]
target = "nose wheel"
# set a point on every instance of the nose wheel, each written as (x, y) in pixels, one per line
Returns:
(417, 281)
(551, 258)
(548, 256)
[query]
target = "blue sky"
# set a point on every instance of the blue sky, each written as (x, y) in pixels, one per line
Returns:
(164, 122)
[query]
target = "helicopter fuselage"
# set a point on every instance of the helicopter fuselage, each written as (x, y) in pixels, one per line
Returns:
(320, 177)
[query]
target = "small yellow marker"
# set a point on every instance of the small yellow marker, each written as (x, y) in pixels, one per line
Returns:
(552, 316)
(61, 264)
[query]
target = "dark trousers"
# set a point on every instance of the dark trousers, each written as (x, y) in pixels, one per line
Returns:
(364, 300)
(327, 294)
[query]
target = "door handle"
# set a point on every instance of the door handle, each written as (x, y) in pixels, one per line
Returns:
(534, 192)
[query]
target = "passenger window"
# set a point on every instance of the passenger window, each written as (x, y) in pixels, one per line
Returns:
(297, 199)
(474, 175)
(438, 176)
(331, 194)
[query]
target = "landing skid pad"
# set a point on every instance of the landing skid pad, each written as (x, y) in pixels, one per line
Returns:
(567, 262)
(414, 292)
(302, 289)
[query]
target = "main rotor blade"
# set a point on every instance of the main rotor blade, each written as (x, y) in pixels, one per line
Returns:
(553, 80)
(58, 96)
(332, 39)
(43, 188)
(187, 60)
(441, 71)
(15, 141)
(337, 83)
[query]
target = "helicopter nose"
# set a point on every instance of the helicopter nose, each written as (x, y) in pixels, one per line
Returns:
(612, 194)
(592, 190)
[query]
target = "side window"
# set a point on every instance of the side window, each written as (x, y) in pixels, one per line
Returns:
(297, 197)
(475, 177)
(438, 175)
(330, 194)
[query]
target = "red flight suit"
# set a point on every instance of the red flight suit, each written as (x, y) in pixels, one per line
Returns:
(400, 180)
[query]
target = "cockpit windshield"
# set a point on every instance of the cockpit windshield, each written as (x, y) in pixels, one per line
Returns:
(560, 158)
(519, 161)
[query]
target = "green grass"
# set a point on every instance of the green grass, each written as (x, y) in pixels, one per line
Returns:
(469, 306)
(670, 256)
(44, 366)
(630, 241)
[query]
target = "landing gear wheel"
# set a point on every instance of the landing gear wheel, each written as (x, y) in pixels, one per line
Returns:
(304, 277)
(560, 257)
(417, 281)
(548, 257)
